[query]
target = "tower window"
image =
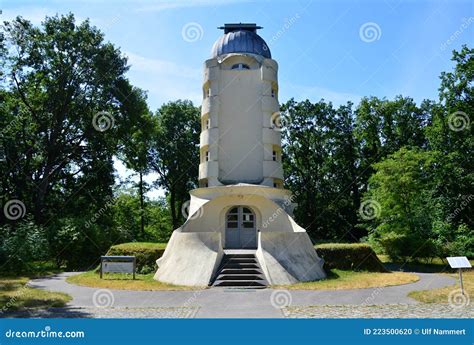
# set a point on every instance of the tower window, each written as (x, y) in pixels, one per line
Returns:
(240, 66)
(273, 93)
(208, 123)
(275, 156)
(207, 156)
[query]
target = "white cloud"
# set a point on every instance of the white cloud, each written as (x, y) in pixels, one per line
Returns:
(165, 80)
(162, 67)
(33, 14)
(172, 5)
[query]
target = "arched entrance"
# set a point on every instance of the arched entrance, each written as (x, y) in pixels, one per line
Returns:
(240, 231)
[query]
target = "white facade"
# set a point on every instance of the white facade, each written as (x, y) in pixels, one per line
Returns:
(241, 202)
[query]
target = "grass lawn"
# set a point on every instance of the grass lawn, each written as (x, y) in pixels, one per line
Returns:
(343, 280)
(143, 282)
(441, 295)
(140, 245)
(15, 295)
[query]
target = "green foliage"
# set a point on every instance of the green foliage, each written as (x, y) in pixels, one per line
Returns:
(320, 154)
(127, 216)
(350, 256)
(21, 243)
(146, 254)
(64, 83)
(400, 190)
(59, 80)
(174, 153)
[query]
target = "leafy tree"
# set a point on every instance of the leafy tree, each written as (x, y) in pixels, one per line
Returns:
(65, 105)
(399, 193)
(174, 153)
(451, 135)
(135, 142)
(320, 162)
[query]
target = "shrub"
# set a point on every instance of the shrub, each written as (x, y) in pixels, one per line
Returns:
(21, 243)
(146, 254)
(350, 256)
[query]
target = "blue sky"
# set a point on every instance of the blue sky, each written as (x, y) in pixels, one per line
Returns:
(322, 48)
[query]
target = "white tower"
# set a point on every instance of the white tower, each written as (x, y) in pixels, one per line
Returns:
(241, 211)
(240, 90)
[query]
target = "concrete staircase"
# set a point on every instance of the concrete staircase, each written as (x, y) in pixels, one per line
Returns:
(240, 270)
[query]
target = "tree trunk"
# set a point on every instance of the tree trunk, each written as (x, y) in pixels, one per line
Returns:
(174, 216)
(142, 208)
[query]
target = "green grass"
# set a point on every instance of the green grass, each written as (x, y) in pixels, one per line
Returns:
(343, 280)
(15, 295)
(140, 245)
(119, 281)
(427, 265)
(442, 295)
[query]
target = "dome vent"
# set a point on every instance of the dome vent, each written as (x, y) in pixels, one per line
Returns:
(240, 38)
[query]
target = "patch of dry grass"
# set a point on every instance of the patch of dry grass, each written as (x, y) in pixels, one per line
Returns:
(118, 281)
(16, 295)
(343, 280)
(442, 295)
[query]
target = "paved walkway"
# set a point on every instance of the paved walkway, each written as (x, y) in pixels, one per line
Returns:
(220, 302)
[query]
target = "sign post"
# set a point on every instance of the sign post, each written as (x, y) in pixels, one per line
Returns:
(459, 262)
(118, 264)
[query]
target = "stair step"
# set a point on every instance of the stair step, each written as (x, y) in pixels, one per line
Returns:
(240, 283)
(237, 266)
(241, 271)
(239, 277)
(240, 261)
(243, 256)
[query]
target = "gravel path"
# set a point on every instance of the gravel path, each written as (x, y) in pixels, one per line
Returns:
(418, 311)
(267, 303)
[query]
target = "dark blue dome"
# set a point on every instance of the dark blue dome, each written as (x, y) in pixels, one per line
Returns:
(241, 41)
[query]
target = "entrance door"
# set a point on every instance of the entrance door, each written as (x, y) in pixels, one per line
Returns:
(240, 232)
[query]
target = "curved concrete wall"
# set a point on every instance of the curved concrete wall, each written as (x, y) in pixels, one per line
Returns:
(190, 258)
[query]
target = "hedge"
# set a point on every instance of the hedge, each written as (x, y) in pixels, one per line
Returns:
(350, 256)
(344, 256)
(146, 254)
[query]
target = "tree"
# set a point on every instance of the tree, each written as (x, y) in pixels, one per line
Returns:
(451, 135)
(383, 127)
(136, 140)
(400, 196)
(174, 153)
(320, 163)
(65, 104)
